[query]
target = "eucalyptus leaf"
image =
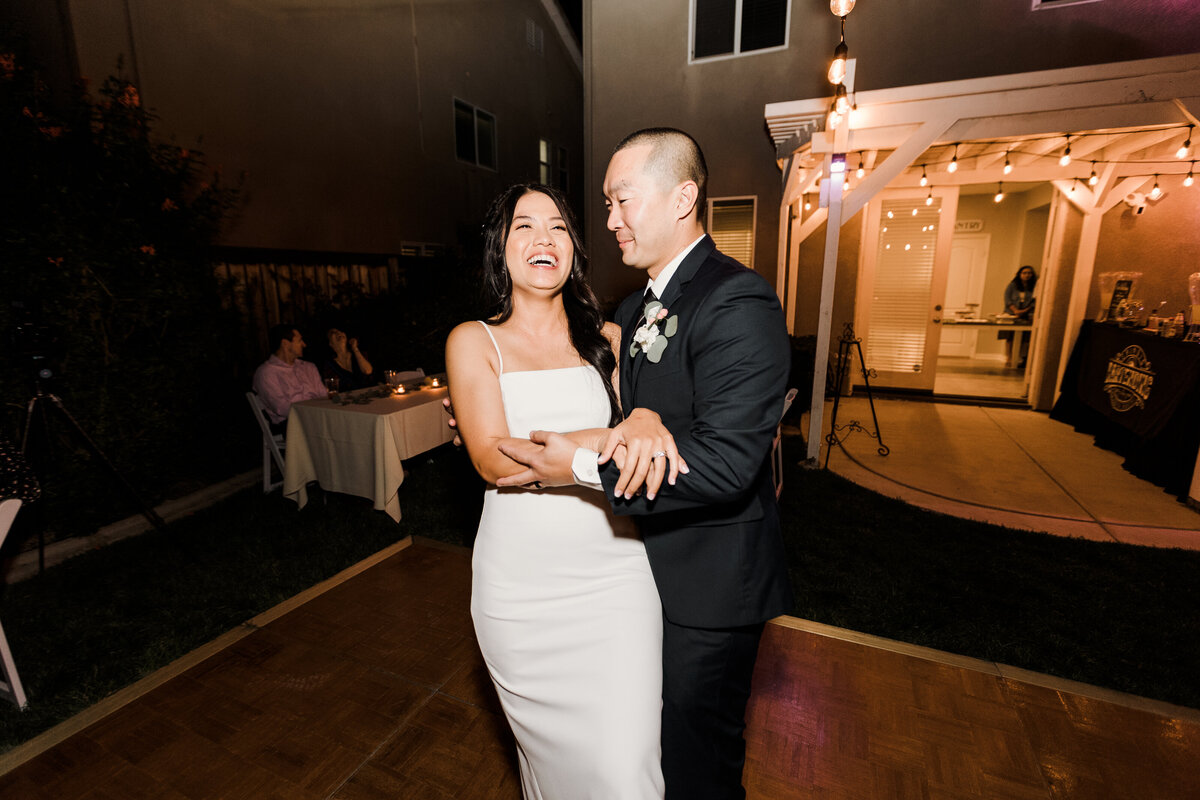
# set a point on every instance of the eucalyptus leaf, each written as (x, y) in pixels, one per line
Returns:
(656, 350)
(652, 309)
(633, 350)
(671, 326)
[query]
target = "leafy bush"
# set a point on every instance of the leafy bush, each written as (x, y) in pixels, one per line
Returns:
(105, 284)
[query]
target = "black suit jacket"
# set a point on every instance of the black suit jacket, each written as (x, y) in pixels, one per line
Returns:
(713, 539)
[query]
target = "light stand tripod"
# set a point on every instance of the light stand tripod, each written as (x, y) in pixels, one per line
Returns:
(37, 409)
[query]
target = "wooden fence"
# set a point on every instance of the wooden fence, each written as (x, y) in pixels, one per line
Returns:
(265, 294)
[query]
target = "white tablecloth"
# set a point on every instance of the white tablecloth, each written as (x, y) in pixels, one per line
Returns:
(357, 449)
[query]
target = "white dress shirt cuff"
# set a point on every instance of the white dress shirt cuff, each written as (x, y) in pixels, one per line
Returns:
(585, 469)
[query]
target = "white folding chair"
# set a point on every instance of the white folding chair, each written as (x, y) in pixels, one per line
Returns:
(10, 686)
(777, 445)
(273, 444)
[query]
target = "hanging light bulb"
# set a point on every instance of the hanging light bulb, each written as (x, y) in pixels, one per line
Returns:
(1185, 149)
(1072, 189)
(807, 203)
(953, 161)
(1066, 156)
(837, 68)
(1189, 180)
(841, 8)
(834, 119)
(841, 101)
(1007, 164)
(924, 177)
(999, 192)
(1156, 192)
(858, 173)
(1093, 179)
(929, 197)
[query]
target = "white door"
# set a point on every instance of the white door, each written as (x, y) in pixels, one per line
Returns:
(964, 286)
(902, 282)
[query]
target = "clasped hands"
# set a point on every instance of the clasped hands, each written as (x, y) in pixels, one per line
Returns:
(641, 447)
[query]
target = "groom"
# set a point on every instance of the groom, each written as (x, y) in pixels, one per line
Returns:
(711, 357)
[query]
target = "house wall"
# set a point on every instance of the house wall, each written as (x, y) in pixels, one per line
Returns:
(340, 114)
(1163, 243)
(638, 75)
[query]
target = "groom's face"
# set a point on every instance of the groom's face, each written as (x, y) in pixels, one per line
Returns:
(640, 211)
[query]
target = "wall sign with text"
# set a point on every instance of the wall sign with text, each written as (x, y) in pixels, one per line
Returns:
(968, 225)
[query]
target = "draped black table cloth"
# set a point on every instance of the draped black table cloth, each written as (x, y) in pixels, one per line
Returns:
(1139, 395)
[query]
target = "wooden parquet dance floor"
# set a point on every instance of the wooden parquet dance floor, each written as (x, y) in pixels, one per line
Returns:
(374, 689)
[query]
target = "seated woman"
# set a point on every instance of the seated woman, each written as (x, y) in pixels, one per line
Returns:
(347, 363)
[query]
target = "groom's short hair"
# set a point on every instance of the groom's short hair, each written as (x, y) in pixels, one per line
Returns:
(675, 157)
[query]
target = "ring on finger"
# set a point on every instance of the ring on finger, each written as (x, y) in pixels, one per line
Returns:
(659, 454)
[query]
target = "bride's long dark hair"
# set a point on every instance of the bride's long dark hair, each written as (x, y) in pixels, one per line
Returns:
(585, 322)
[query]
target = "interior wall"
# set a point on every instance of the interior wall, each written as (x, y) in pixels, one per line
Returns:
(1163, 243)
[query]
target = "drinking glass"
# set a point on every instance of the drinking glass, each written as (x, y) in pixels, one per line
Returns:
(332, 385)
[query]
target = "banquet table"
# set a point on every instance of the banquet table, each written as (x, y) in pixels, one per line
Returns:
(1138, 394)
(356, 448)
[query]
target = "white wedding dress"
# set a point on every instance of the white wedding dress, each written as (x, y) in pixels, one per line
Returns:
(567, 614)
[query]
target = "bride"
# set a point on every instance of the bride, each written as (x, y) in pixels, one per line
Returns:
(564, 605)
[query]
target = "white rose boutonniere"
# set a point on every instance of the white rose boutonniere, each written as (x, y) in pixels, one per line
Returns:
(656, 328)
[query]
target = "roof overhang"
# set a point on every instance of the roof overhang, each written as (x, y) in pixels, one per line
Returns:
(1129, 117)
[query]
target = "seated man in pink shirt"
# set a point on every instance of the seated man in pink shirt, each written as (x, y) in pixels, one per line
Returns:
(285, 378)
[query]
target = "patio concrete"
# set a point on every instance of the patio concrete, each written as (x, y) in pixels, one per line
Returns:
(1006, 466)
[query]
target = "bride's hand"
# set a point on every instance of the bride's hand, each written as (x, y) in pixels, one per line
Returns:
(650, 456)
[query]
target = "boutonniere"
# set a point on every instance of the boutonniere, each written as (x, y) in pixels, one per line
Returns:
(656, 328)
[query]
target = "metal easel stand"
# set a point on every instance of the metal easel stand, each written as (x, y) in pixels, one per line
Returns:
(841, 370)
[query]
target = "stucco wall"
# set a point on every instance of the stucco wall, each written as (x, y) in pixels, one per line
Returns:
(1163, 243)
(341, 112)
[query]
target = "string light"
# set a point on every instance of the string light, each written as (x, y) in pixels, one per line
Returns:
(841, 101)
(1093, 179)
(999, 192)
(858, 173)
(834, 119)
(953, 161)
(1007, 164)
(1189, 180)
(929, 197)
(1185, 149)
(807, 203)
(1156, 192)
(841, 8)
(924, 177)
(1066, 156)
(837, 68)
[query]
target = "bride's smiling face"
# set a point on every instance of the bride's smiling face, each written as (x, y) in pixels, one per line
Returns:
(539, 252)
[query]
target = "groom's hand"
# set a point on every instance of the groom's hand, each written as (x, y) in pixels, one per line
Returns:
(547, 457)
(651, 454)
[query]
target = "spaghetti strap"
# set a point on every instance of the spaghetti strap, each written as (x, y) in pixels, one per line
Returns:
(499, 355)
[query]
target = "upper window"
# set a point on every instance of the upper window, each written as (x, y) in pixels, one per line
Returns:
(474, 135)
(731, 226)
(1054, 3)
(736, 27)
(552, 165)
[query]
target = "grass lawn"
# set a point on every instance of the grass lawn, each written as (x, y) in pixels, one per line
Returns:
(1119, 616)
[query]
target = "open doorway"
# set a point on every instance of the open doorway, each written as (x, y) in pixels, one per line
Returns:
(982, 347)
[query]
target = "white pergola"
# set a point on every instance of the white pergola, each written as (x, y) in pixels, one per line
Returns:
(1123, 116)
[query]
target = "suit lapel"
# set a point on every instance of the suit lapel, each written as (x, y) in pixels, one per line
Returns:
(631, 366)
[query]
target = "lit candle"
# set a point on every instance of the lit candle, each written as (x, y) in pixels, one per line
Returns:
(435, 382)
